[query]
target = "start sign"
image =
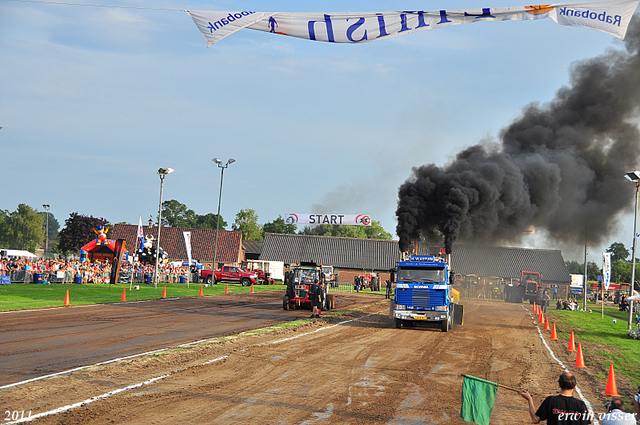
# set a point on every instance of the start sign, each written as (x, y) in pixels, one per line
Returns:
(343, 219)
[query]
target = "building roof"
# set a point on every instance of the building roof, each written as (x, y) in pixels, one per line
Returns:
(172, 241)
(252, 247)
(509, 262)
(376, 254)
(346, 253)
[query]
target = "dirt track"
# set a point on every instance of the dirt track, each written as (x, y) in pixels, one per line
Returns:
(361, 371)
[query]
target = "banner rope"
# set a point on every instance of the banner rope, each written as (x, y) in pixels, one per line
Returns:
(60, 3)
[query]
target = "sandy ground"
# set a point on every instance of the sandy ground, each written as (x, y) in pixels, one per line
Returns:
(355, 368)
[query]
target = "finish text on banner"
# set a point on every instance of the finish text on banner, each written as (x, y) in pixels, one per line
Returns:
(609, 16)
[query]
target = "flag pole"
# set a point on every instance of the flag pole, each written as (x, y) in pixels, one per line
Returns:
(499, 385)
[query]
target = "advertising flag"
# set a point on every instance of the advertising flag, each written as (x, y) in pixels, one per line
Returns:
(340, 219)
(187, 244)
(606, 270)
(478, 396)
(140, 233)
(609, 16)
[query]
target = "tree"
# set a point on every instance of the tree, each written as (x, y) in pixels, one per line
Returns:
(618, 251)
(25, 228)
(4, 228)
(574, 267)
(373, 231)
(593, 271)
(176, 214)
(376, 231)
(620, 271)
(279, 226)
(247, 222)
(77, 232)
(208, 221)
(54, 226)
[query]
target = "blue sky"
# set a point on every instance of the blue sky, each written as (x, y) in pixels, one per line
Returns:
(95, 100)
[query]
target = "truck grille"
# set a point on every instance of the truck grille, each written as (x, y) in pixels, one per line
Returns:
(420, 298)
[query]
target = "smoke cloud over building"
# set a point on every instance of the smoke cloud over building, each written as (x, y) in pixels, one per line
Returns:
(560, 166)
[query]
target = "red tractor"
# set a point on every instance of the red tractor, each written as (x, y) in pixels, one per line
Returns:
(299, 281)
(528, 288)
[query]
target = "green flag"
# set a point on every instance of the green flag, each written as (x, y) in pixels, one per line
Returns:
(478, 396)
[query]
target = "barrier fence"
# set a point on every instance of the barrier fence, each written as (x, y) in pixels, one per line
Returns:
(348, 287)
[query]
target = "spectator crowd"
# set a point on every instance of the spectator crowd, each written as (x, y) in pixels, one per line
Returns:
(67, 271)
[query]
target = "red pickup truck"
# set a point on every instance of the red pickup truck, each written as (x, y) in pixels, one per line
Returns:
(229, 274)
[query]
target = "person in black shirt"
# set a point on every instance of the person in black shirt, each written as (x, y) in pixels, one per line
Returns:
(562, 409)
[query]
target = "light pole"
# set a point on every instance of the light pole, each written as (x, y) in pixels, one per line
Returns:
(46, 240)
(162, 172)
(633, 176)
(218, 161)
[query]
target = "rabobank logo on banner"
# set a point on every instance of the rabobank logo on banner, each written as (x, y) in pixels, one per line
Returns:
(338, 219)
(291, 219)
(231, 17)
(363, 220)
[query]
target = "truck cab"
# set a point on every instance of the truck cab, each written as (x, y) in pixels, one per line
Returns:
(424, 295)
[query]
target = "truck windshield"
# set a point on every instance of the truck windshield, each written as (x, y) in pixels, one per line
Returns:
(421, 274)
(305, 276)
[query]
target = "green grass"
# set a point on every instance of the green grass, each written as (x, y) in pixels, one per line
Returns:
(29, 296)
(621, 351)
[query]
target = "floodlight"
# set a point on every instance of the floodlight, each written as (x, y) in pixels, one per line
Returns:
(633, 176)
(165, 170)
(217, 160)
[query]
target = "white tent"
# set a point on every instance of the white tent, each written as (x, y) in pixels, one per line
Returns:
(16, 253)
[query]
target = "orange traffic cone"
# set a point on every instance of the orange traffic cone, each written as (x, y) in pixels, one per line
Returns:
(554, 335)
(201, 294)
(541, 318)
(579, 358)
(226, 289)
(546, 323)
(535, 308)
(124, 295)
(252, 288)
(164, 292)
(612, 388)
(572, 343)
(66, 299)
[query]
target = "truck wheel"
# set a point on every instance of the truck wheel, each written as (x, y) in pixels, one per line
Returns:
(245, 282)
(445, 325)
(208, 280)
(285, 303)
(398, 323)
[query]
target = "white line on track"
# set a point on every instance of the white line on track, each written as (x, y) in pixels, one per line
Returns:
(150, 381)
(589, 406)
(87, 401)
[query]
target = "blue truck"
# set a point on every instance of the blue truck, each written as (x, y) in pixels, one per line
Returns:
(424, 294)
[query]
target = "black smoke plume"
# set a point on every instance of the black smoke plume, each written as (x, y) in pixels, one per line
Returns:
(559, 167)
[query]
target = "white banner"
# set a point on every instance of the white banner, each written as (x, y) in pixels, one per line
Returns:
(606, 270)
(609, 16)
(187, 244)
(343, 219)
